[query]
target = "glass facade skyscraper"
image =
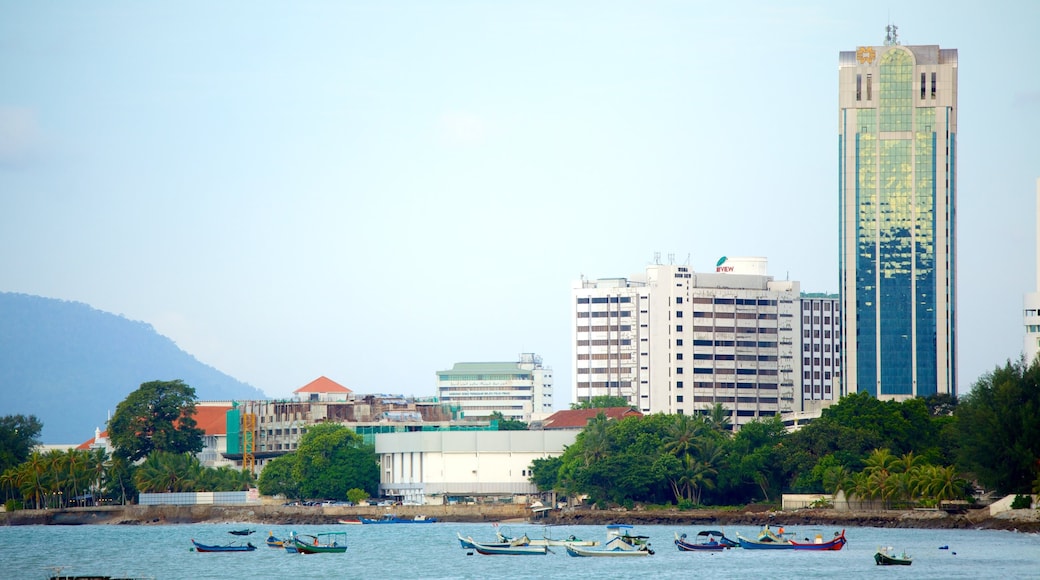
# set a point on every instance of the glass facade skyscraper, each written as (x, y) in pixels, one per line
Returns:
(897, 130)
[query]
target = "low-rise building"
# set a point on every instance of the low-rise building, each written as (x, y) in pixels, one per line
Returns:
(442, 467)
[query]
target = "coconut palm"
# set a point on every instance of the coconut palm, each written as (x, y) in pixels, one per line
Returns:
(596, 439)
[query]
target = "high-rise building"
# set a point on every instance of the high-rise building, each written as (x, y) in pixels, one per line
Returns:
(676, 341)
(1031, 309)
(518, 389)
(897, 128)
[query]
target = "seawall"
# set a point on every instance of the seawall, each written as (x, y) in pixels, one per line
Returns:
(281, 515)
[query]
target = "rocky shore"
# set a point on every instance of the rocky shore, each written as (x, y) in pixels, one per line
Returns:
(1018, 520)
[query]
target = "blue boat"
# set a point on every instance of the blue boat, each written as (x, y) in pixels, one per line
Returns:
(393, 519)
(767, 540)
(249, 547)
(706, 541)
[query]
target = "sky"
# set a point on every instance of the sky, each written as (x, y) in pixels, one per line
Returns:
(375, 191)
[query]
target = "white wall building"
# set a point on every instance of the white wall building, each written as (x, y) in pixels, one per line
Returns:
(821, 351)
(515, 389)
(1031, 303)
(676, 341)
(433, 467)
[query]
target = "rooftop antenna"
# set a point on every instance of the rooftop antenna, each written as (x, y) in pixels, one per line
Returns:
(891, 35)
(671, 259)
(657, 258)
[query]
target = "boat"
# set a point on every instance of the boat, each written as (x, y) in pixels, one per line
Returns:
(493, 550)
(620, 543)
(244, 532)
(274, 542)
(468, 543)
(835, 543)
(885, 557)
(353, 522)
(706, 541)
(767, 540)
(547, 541)
(248, 547)
(322, 543)
(393, 519)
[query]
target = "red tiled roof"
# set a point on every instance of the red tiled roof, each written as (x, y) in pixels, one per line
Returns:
(578, 418)
(86, 444)
(323, 384)
(212, 419)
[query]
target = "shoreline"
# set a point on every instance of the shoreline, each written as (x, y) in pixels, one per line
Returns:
(1026, 521)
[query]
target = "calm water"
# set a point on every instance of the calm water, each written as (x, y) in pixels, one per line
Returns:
(432, 551)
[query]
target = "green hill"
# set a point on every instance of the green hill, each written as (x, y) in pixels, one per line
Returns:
(70, 365)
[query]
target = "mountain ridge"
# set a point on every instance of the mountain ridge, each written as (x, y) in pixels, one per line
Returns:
(70, 364)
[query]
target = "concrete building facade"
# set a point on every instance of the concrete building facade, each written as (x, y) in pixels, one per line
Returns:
(434, 468)
(676, 341)
(897, 127)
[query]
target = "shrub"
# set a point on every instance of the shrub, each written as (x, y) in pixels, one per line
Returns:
(1022, 502)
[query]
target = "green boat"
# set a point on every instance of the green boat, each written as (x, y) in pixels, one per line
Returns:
(323, 543)
(884, 558)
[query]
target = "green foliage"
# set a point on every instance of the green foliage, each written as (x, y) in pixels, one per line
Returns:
(356, 495)
(1021, 502)
(277, 477)
(158, 416)
(12, 505)
(507, 424)
(18, 436)
(602, 402)
(545, 473)
(332, 459)
(998, 424)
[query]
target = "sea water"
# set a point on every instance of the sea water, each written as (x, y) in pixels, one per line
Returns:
(433, 551)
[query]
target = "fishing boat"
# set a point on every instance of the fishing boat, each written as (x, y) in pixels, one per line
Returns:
(835, 543)
(885, 557)
(393, 519)
(620, 543)
(767, 540)
(244, 532)
(322, 543)
(351, 522)
(706, 541)
(274, 542)
(248, 547)
(468, 543)
(493, 550)
(571, 540)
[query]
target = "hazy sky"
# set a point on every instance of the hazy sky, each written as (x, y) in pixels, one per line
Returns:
(374, 191)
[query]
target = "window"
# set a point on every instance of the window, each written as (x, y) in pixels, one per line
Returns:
(678, 399)
(859, 87)
(678, 299)
(933, 85)
(868, 87)
(678, 313)
(678, 384)
(678, 356)
(678, 342)
(678, 370)
(678, 328)
(922, 85)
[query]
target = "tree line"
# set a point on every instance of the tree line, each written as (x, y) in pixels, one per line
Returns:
(917, 452)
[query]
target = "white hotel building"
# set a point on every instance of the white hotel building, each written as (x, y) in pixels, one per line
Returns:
(676, 341)
(515, 389)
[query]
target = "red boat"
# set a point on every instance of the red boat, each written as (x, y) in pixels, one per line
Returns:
(835, 543)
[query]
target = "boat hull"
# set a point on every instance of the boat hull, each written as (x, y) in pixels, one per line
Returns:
(207, 548)
(510, 550)
(837, 543)
(684, 546)
(579, 552)
(886, 560)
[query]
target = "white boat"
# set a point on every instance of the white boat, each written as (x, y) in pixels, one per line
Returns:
(620, 544)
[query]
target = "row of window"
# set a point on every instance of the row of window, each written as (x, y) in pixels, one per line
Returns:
(606, 356)
(605, 314)
(737, 329)
(604, 370)
(606, 300)
(740, 357)
(737, 343)
(603, 342)
(732, 314)
(605, 328)
(816, 375)
(816, 361)
(605, 385)
(725, 371)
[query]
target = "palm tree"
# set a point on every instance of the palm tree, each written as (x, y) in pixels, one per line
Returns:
(683, 434)
(719, 419)
(30, 478)
(596, 439)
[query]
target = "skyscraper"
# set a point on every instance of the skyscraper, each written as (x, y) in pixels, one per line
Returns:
(897, 128)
